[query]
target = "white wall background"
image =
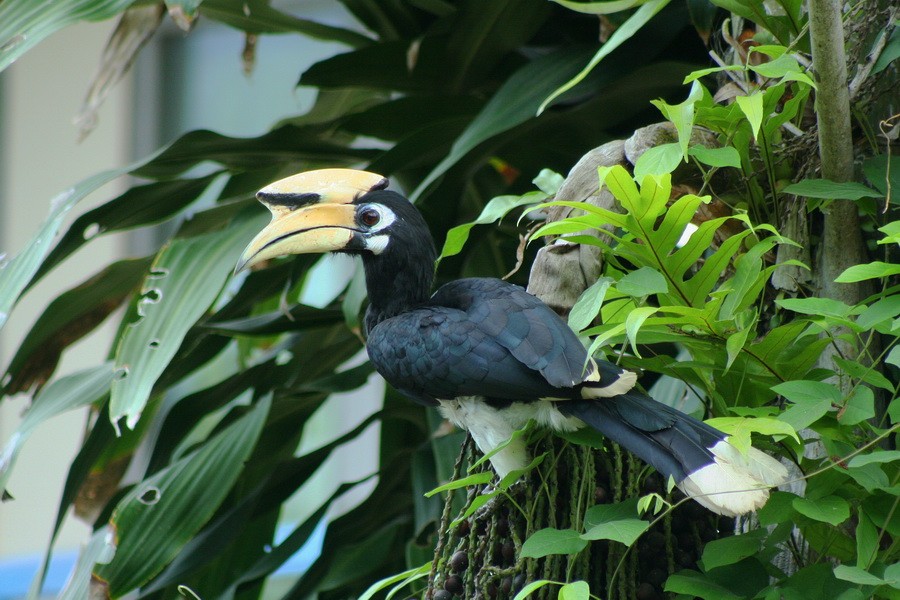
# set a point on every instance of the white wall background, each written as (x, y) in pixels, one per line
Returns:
(42, 92)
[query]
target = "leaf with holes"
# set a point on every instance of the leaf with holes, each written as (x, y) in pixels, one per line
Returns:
(184, 280)
(158, 516)
(69, 317)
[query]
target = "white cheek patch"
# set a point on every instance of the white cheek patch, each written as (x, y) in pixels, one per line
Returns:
(377, 243)
(387, 218)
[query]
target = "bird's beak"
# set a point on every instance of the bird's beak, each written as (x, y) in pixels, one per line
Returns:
(312, 213)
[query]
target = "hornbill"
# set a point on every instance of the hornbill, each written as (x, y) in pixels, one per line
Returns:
(489, 355)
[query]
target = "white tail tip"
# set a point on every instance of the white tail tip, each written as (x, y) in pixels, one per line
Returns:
(735, 483)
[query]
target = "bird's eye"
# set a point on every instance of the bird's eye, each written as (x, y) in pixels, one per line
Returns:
(369, 217)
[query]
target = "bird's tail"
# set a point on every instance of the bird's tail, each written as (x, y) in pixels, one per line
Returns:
(699, 458)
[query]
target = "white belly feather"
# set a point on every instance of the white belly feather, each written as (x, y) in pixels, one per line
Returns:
(491, 427)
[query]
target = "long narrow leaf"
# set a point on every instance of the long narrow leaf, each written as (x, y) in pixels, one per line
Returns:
(155, 520)
(184, 280)
(64, 394)
(621, 35)
(25, 23)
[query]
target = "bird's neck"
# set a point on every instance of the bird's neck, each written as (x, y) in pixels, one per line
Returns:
(396, 282)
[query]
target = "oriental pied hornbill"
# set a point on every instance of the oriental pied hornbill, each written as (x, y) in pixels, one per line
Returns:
(489, 355)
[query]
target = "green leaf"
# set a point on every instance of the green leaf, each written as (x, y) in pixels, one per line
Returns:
(70, 316)
(762, 425)
(577, 590)
(866, 540)
(778, 509)
(624, 32)
(816, 306)
(588, 304)
(395, 579)
(892, 575)
(727, 156)
(880, 311)
(493, 211)
(752, 107)
(633, 323)
(697, 585)
(657, 160)
(643, 282)
(64, 394)
(158, 516)
(515, 102)
(99, 550)
(682, 116)
(184, 280)
(856, 575)
(872, 270)
(606, 7)
(545, 542)
(830, 509)
(474, 479)
(532, 587)
(16, 273)
(625, 531)
(812, 399)
(730, 550)
(877, 457)
(257, 16)
(860, 406)
(831, 190)
(889, 53)
(871, 477)
(22, 26)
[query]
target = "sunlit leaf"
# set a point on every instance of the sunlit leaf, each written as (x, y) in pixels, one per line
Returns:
(577, 590)
(727, 156)
(664, 158)
(752, 107)
(493, 211)
(872, 270)
(624, 531)
(588, 304)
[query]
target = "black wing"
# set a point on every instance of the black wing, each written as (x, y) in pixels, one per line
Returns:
(479, 337)
(525, 326)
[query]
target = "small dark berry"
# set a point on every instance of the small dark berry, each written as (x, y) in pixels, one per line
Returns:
(601, 496)
(454, 585)
(508, 550)
(442, 595)
(462, 530)
(685, 559)
(503, 526)
(645, 591)
(519, 582)
(459, 562)
(506, 586)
